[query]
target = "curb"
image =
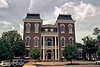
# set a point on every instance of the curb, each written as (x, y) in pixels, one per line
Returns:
(29, 66)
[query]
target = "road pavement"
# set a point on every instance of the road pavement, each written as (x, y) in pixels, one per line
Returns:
(62, 64)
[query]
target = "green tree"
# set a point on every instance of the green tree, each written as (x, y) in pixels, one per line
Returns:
(98, 52)
(96, 31)
(70, 52)
(20, 49)
(79, 45)
(16, 42)
(6, 52)
(35, 53)
(98, 38)
(89, 46)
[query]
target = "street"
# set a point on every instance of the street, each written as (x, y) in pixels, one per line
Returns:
(62, 64)
(73, 66)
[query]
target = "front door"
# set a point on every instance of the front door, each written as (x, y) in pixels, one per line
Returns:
(49, 55)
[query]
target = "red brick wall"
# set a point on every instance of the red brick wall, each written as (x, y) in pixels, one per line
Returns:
(66, 35)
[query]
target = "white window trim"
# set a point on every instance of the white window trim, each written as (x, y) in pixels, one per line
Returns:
(64, 41)
(25, 41)
(26, 28)
(36, 30)
(72, 41)
(46, 42)
(71, 29)
(64, 28)
(38, 41)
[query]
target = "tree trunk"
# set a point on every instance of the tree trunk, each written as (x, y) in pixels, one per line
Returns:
(84, 56)
(70, 61)
(89, 56)
(35, 61)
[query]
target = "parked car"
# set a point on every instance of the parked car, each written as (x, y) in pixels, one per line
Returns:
(97, 62)
(17, 62)
(4, 63)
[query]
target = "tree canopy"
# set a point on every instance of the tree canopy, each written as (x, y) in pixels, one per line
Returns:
(35, 53)
(98, 52)
(96, 31)
(79, 45)
(70, 52)
(98, 38)
(6, 52)
(16, 42)
(89, 46)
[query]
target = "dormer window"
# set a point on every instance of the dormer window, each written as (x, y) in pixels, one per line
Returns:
(70, 28)
(36, 28)
(28, 27)
(62, 28)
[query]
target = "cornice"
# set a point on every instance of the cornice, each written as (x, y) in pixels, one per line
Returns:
(32, 20)
(65, 21)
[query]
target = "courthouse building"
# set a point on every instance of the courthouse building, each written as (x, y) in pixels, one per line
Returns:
(49, 39)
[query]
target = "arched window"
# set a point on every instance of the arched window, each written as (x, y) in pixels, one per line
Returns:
(49, 42)
(27, 40)
(71, 41)
(28, 27)
(35, 41)
(62, 41)
(62, 28)
(70, 28)
(36, 28)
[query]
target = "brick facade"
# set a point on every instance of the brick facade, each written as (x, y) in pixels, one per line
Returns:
(49, 36)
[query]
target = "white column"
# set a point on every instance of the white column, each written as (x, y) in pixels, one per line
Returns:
(55, 49)
(58, 49)
(43, 47)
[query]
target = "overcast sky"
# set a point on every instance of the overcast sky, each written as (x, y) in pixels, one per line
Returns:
(85, 12)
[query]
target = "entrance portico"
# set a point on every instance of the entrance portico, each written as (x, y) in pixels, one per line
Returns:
(50, 46)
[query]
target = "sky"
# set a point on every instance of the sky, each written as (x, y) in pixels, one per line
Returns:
(86, 13)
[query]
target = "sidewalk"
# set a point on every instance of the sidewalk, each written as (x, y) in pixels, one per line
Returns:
(29, 66)
(32, 64)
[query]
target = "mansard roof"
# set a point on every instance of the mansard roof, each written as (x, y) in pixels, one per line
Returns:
(32, 16)
(64, 17)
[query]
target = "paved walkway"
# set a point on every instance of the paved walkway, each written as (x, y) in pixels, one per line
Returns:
(32, 64)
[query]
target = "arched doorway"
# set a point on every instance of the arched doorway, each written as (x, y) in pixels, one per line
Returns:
(49, 54)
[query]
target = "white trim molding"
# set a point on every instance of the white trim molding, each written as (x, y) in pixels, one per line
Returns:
(36, 25)
(65, 21)
(64, 40)
(72, 40)
(29, 41)
(70, 28)
(33, 20)
(62, 31)
(28, 31)
(37, 41)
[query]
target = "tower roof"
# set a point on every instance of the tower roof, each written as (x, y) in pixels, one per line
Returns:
(32, 16)
(64, 17)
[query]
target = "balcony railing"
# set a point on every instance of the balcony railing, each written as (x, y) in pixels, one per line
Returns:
(49, 47)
